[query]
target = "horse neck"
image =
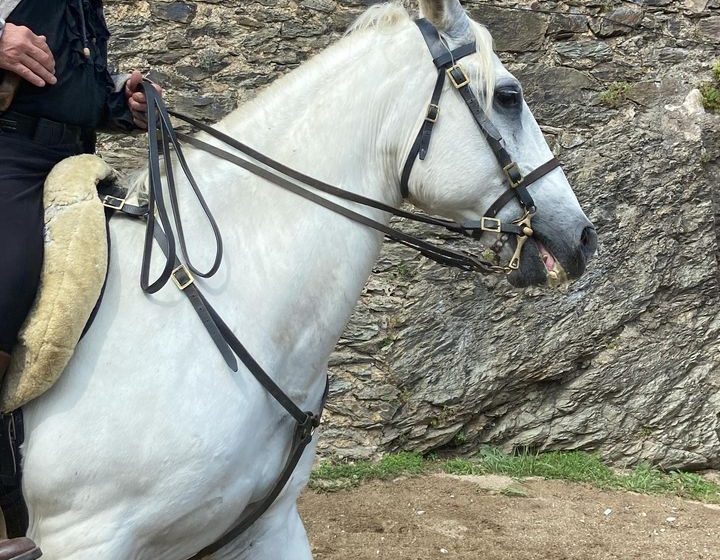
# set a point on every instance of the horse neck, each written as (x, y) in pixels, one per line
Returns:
(338, 117)
(292, 269)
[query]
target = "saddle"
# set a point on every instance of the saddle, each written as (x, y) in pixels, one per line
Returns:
(72, 278)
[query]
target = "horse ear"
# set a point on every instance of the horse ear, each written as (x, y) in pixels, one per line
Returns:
(448, 16)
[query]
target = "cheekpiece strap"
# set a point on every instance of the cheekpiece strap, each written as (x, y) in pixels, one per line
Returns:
(443, 59)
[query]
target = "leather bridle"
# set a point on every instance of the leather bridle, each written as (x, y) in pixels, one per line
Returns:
(446, 61)
(169, 235)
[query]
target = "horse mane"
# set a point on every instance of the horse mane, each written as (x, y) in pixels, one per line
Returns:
(380, 16)
(386, 16)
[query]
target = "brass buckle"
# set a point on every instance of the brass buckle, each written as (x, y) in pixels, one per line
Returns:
(512, 166)
(433, 111)
(182, 283)
(113, 202)
(495, 228)
(458, 84)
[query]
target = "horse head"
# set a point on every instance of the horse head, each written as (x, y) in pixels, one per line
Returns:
(461, 174)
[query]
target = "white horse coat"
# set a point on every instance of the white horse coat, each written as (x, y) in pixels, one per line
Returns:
(149, 448)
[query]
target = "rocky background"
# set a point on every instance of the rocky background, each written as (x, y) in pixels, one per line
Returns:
(626, 362)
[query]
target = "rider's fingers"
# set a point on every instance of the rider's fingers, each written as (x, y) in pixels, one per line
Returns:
(137, 107)
(34, 72)
(42, 56)
(140, 121)
(40, 42)
(28, 75)
(138, 102)
(133, 82)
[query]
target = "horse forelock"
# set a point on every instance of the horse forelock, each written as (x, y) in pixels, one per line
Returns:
(380, 16)
(387, 16)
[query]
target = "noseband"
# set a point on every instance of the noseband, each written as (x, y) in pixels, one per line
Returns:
(445, 61)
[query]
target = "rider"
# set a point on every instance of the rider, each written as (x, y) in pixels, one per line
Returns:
(53, 71)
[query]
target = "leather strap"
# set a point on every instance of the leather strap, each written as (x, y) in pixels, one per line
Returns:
(439, 254)
(229, 346)
(158, 120)
(206, 314)
(528, 180)
(422, 140)
(442, 55)
(301, 438)
(446, 62)
(306, 179)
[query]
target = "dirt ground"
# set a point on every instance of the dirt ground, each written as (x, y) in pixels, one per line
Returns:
(494, 518)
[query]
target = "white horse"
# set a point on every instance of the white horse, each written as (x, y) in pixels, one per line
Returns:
(149, 448)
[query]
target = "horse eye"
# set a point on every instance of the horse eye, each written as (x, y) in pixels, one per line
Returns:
(509, 97)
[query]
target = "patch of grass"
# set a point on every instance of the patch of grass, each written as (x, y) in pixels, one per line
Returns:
(647, 480)
(352, 473)
(571, 466)
(615, 94)
(710, 91)
(460, 438)
(710, 96)
(403, 272)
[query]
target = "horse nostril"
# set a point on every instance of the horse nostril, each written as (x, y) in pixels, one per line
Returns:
(588, 240)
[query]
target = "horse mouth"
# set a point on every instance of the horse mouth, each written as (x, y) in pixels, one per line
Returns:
(554, 272)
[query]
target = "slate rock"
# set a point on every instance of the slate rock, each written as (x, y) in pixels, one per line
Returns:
(182, 12)
(512, 31)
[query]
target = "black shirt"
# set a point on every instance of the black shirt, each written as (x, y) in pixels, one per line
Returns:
(84, 93)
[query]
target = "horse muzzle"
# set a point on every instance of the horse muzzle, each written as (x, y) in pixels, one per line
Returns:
(552, 258)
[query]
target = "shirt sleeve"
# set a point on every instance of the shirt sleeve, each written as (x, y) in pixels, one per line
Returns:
(118, 117)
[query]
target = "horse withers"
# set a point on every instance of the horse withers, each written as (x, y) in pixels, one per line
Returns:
(149, 447)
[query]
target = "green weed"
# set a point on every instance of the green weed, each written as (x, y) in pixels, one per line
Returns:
(710, 96)
(615, 94)
(574, 466)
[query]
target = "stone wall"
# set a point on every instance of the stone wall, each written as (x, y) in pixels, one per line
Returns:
(627, 360)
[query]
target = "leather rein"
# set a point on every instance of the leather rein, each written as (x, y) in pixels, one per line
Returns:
(178, 267)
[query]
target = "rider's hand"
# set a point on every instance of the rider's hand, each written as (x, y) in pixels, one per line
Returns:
(27, 55)
(136, 98)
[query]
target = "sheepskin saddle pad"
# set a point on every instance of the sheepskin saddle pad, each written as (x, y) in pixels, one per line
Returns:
(73, 273)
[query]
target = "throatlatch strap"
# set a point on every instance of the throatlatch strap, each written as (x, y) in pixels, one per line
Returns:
(422, 140)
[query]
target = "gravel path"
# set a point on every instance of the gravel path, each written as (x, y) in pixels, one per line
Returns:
(494, 518)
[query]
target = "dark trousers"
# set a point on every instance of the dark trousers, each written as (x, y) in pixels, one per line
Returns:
(24, 165)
